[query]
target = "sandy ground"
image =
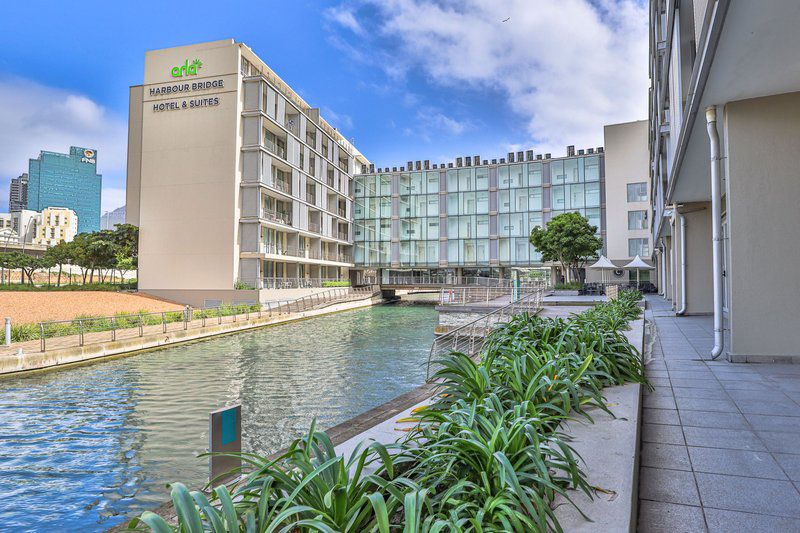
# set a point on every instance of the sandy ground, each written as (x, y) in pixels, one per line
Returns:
(32, 307)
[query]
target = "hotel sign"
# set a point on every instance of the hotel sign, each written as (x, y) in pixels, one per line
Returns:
(187, 69)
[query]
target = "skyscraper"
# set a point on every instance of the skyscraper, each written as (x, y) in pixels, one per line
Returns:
(67, 180)
(18, 193)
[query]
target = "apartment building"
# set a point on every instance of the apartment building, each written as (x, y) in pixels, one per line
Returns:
(627, 198)
(18, 226)
(473, 216)
(18, 193)
(55, 225)
(724, 139)
(236, 183)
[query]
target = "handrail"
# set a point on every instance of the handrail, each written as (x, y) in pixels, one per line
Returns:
(470, 337)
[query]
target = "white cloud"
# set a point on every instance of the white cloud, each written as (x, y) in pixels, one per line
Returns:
(345, 18)
(36, 117)
(566, 66)
(340, 121)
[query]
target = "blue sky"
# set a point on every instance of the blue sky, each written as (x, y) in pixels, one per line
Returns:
(405, 79)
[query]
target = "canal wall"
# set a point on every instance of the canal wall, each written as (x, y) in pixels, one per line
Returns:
(31, 360)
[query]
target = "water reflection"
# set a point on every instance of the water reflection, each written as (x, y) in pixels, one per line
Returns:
(82, 448)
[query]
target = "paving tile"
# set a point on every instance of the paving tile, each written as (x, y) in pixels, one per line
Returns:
(738, 376)
(768, 407)
(659, 455)
(746, 394)
(780, 441)
(658, 402)
(663, 382)
(711, 419)
(789, 424)
(790, 464)
(656, 373)
(702, 404)
(779, 498)
(745, 385)
(662, 434)
(671, 486)
(677, 375)
(734, 439)
(660, 517)
(709, 394)
(722, 521)
(661, 416)
(658, 391)
(735, 463)
(698, 384)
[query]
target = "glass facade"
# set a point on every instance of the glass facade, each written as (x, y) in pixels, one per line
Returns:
(67, 180)
(469, 216)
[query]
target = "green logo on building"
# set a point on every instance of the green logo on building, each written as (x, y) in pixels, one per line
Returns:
(187, 69)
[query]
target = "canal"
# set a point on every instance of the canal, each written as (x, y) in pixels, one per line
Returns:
(83, 448)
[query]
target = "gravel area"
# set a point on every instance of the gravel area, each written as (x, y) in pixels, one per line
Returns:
(33, 307)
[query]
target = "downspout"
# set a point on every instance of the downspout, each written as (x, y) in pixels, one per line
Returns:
(716, 229)
(682, 221)
(663, 270)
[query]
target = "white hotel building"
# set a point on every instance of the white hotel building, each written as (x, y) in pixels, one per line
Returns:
(234, 180)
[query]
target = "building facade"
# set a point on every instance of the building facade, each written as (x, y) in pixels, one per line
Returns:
(55, 225)
(18, 227)
(67, 180)
(215, 135)
(723, 148)
(109, 219)
(627, 197)
(18, 193)
(471, 217)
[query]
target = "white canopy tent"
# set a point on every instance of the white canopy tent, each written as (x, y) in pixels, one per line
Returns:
(638, 264)
(602, 265)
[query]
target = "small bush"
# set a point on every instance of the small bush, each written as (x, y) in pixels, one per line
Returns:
(341, 283)
(570, 286)
(242, 286)
(130, 285)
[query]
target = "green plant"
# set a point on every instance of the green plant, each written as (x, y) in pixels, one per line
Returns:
(570, 286)
(242, 286)
(340, 283)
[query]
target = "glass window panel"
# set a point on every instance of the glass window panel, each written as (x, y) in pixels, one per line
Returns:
(386, 207)
(534, 219)
(405, 184)
(433, 205)
(592, 194)
(504, 201)
(452, 252)
(467, 203)
(385, 185)
(534, 174)
(452, 203)
(592, 168)
(521, 249)
(637, 220)
(432, 252)
(452, 180)
(517, 224)
(535, 199)
(638, 247)
(405, 206)
(571, 171)
(557, 193)
(482, 202)
(482, 225)
(417, 185)
(418, 251)
(504, 250)
(593, 216)
(420, 205)
(557, 172)
(433, 228)
(358, 186)
(576, 196)
(452, 228)
(516, 176)
(520, 199)
(465, 180)
(482, 179)
(637, 192)
(466, 227)
(433, 182)
(482, 251)
(504, 225)
(405, 253)
(386, 230)
(468, 251)
(503, 179)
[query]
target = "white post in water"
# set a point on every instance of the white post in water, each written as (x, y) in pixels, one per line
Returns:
(8, 331)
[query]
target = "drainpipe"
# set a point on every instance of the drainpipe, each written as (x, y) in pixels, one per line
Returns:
(716, 229)
(663, 270)
(682, 221)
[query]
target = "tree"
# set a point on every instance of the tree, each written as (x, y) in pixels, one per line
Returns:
(126, 237)
(568, 239)
(61, 254)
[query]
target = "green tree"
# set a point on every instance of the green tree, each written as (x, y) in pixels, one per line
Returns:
(568, 239)
(61, 254)
(25, 263)
(126, 237)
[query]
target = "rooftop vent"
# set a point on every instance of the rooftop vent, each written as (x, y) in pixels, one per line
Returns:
(519, 157)
(485, 162)
(459, 161)
(590, 150)
(372, 168)
(449, 165)
(510, 157)
(599, 149)
(494, 161)
(427, 164)
(435, 166)
(417, 165)
(529, 155)
(570, 150)
(547, 156)
(538, 156)
(580, 152)
(394, 169)
(468, 161)
(502, 160)
(476, 159)
(410, 165)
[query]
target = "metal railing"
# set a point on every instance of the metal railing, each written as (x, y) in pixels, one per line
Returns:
(314, 227)
(126, 326)
(294, 283)
(275, 149)
(452, 280)
(283, 217)
(478, 294)
(469, 338)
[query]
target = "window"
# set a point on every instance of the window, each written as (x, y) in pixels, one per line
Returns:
(638, 247)
(433, 181)
(637, 192)
(637, 219)
(535, 174)
(481, 178)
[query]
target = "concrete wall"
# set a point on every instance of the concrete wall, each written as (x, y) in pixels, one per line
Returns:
(699, 272)
(627, 161)
(134, 166)
(763, 186)
(188, 212)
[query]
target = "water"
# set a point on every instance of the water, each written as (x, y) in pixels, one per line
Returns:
(83, 448)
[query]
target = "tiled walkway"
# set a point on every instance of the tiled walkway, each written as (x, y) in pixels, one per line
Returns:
(720, 441)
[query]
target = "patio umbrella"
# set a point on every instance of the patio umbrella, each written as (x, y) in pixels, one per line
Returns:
(602, 265)
(638, 264)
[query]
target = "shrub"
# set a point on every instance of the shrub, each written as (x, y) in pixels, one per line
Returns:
(242, 286)
(570, 286)
(340, 283)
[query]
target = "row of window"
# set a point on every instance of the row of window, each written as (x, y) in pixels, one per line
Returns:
(459, 251)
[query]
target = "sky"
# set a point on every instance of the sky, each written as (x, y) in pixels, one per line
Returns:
(402, 79)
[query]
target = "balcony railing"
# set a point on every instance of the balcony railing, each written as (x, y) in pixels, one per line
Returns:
(295, 283)
(342, 212)
(311, 198)
(282, 185)
(282, 217)
(274, 149)
(342, 235)
(314, 227)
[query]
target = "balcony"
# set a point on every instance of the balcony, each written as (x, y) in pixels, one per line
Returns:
(282, 185)
(277, 249)
(342, 212)
(314, 227)
(275, 149)
(275, 215)
(342, 235)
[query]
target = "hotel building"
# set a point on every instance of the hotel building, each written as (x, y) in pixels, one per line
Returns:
(472, 217)
(216, 136)
(724, 139)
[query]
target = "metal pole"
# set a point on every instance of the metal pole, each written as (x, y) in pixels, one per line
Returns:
(8, 331)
